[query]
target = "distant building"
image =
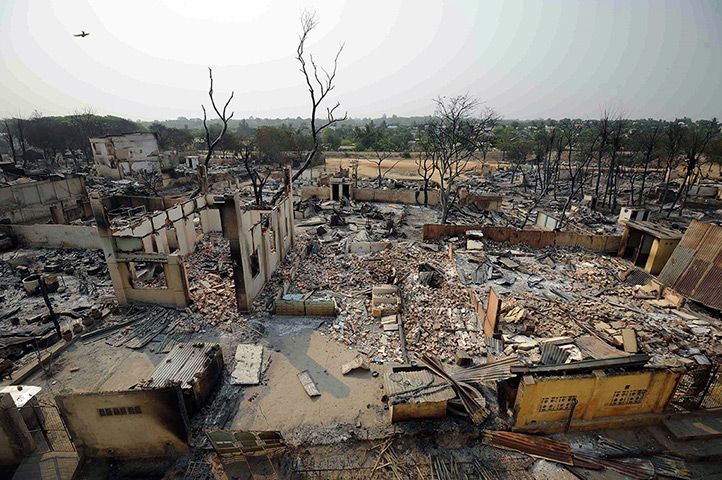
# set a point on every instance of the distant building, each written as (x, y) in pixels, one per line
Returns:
(121, 156)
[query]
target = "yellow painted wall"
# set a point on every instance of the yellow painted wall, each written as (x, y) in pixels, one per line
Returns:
(659, 254)
(594, 393)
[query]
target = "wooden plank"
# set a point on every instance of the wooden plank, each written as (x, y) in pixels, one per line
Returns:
(492, 313)
(308, 384)
(629, 336)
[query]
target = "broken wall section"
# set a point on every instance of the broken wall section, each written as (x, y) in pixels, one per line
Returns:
(61, 201)
(58, 236)
(162, 238)
(259, 241)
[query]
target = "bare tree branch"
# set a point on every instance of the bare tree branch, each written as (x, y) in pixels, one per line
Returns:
(318, 93)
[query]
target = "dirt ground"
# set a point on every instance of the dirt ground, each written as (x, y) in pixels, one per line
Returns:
(281, 403)
(405, 169)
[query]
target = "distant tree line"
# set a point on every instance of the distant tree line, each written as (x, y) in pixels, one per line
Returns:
(27, 139)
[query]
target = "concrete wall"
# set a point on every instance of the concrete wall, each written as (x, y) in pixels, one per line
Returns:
(26, 202)
(397, 195)
(546, 399)
(322, 193)
(532, 238)
(158, 429)
(46, 235)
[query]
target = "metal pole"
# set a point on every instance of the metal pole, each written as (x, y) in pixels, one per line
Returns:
(53, 318)
(571, 415)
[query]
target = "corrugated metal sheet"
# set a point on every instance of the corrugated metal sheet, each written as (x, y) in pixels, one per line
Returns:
(695, 268)
(183, 362)
(676, 265)
(711, 244)
(540, 447)
(553, 355)
(415, 385)
(694, 234)
(690, 278)
(637, 277)
(592, 347)
(709, 289)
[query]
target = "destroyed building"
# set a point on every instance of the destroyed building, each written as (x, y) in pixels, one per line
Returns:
(353, 306)
(121, 156)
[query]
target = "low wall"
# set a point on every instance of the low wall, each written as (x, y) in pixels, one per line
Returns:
(532, 238)
(129, 423)
(319, 192)
(599, 395)
(70, 236)
(397, 195)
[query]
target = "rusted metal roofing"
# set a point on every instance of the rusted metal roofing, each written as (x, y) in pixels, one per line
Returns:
(697, 275)
(592, 347)
(654, 230)
(540, 447)
(407, 384)
(677, 264)
(183, 362)
(630, 467)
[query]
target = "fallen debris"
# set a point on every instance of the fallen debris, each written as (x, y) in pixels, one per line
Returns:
(359, 361)
(249, 360)
(308, 384)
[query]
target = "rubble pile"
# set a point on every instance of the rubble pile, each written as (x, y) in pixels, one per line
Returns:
(564, 292)
(79, 289)
(210, 279)
(210, 276)
(435, 313)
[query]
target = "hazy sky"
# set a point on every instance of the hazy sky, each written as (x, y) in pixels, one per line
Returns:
(528, 59)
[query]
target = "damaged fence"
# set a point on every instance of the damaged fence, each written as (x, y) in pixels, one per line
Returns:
(532, 238)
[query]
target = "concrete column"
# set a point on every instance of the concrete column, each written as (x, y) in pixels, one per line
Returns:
(181, 232)
(191, 233)
(231, 231)
(56, 212)
(245, 243)
(177, 280)
(202, 178)
(206, 225)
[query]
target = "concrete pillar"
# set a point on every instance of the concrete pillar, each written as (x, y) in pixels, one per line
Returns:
(181, 232)
(177, 280)
(231, 231)
(191, 233)
(56, 212)
(202, 178)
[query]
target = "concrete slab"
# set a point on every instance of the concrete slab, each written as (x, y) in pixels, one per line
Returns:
(694, 428)
(249, 359)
